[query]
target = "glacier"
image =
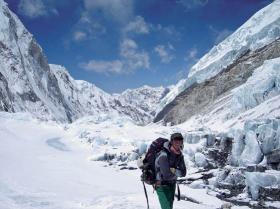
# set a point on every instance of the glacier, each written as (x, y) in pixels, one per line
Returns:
(260, 30)
(91, 162)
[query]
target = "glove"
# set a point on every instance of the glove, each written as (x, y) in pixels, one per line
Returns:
(173, 170)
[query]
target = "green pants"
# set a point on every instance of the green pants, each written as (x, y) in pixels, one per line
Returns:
(166, 195)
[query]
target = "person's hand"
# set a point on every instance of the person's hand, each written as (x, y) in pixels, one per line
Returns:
(173, 170)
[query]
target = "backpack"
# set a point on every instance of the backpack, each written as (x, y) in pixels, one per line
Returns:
(148, 164)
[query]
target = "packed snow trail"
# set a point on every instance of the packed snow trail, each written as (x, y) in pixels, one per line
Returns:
(43, 167)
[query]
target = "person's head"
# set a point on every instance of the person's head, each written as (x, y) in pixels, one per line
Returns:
(177, 141)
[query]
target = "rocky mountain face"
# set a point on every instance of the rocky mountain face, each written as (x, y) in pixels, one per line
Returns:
(201, 98)
(212, 81)
(29, 84)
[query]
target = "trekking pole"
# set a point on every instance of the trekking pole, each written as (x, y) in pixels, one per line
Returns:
(179, 192)
(184, 197)
(145, 190)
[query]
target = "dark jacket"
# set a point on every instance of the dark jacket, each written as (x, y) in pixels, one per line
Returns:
(166, 160)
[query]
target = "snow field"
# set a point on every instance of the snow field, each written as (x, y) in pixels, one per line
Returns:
(43, 165)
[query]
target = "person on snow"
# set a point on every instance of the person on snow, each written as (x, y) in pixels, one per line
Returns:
(169, 165)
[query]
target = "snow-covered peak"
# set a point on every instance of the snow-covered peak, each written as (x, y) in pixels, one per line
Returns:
(81, 85)
(146, 97)
(142, 88)
(29, 86)
(85, 86)
(2, 5)
(58, 69)
(11, 28)
(85, 99)
(260, 30)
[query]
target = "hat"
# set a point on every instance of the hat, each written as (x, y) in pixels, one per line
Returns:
(176, 136)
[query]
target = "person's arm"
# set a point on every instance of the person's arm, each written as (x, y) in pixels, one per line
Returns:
(182, 167)
(164, 166)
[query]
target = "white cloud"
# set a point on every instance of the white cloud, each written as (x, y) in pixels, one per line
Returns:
(119, 10)
(165, 53)
(128, 47)
(32, 8)
(190, 4)
(138, 26)
(191, 55)
(87, 29)
(53, 11)
(170, 31)
(35, 8)
(220, 35)
(105, 67)
(79, 35)
(131, 59)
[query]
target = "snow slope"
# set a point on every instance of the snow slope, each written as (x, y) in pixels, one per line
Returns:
(258, 98)
(260, 30)
(50, 169)
(84, 98)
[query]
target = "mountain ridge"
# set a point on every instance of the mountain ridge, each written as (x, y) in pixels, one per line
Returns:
(196, 94)
(258, 31)
(29, 84)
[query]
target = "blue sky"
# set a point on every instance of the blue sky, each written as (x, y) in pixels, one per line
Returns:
(120, 44)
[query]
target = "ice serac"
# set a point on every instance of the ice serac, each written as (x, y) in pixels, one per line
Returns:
(260, 30)
(25, 78)
(226, 66)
